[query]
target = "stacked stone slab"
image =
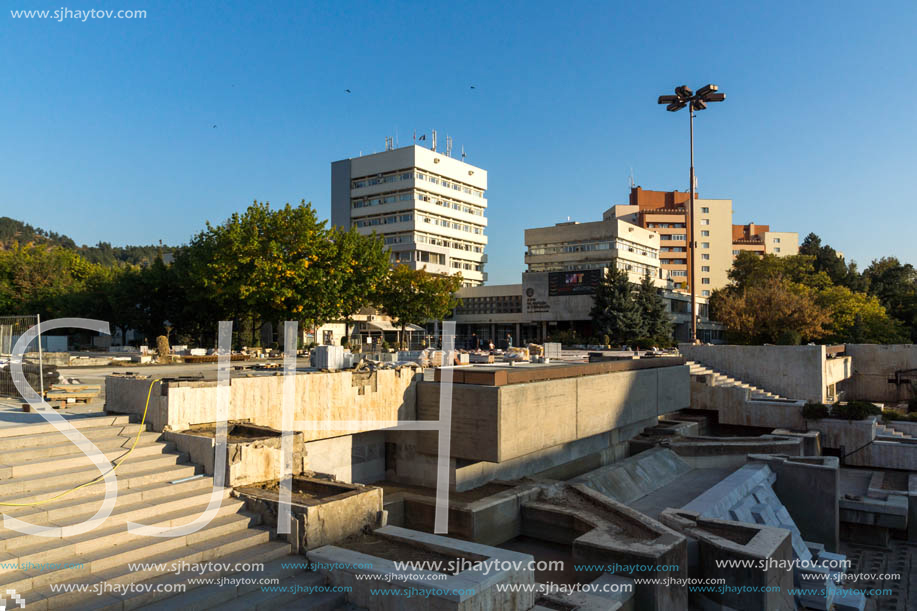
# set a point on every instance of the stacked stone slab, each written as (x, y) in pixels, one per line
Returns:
(40, 463)
(747, 496)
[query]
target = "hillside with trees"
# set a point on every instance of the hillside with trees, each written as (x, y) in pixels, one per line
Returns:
(13, 232)
(259, 266)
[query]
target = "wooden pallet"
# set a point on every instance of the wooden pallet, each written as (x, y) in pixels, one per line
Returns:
(76, 387)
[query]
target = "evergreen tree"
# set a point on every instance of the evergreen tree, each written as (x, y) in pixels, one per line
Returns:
(653, 310)
(615, 312)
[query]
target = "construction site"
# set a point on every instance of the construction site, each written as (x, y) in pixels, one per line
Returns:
(573, 480)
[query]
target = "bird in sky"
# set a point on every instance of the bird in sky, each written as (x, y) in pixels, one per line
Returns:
(347, 90)
(214, 126)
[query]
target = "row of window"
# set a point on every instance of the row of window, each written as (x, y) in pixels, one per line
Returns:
(570, 247)
(403, 175)
(508, 304)
(448, 184)
(407, 196)
(404, 218)
(450, 203)
(383, 220)
(636, 268)
(422, 238)
(449, 224)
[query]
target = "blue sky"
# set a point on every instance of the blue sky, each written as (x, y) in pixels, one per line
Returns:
(107, 125)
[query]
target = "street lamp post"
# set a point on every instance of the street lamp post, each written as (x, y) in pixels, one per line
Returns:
(694, 101)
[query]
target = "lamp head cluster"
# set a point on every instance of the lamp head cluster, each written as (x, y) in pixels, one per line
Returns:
(685, 97)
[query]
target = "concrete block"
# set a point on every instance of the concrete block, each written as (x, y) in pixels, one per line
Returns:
(328, 357)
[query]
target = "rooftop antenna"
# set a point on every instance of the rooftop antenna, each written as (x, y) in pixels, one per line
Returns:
(448, 146)
(463, 152)
(433, 144)
(388, 143)
(633, 183)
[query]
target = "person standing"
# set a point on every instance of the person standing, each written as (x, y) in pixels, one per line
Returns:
(509, 341)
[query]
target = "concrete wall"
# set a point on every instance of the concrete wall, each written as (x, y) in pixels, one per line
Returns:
(873, 365)
(795, 372)
(356, 458)
(385, 395)
(735, 407)
(499, 423)
(809, 488)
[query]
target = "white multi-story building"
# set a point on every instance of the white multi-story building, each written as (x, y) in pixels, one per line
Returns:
(429, 208)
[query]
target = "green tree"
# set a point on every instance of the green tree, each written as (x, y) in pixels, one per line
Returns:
(653, 311)
(895, 285)
(615, 312)
(417, 296)
(361, 264)
(272, 265)
(768, 312)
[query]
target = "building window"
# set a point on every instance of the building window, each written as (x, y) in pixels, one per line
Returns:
(705, 268)
(735, 252)
(678, 272)
(776, 240)
(705, 293)
(705, 244)
(705, 234)
(705, 221)
(705, 280)
(705, 210)
(705, 256)
(777, 249)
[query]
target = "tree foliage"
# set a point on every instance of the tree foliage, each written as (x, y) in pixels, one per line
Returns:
(415, 296)
(811, 296)
(615, 310)
(260, 265)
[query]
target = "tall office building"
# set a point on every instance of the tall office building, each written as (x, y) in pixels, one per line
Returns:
(429, 208)
(666, 213)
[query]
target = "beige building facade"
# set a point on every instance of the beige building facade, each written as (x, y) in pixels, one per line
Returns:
(574, 247)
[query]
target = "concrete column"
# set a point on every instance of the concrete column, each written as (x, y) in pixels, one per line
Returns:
(493, 333)
(517, 336)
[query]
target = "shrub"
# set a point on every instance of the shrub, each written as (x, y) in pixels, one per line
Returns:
(815, 411)
(890, 415)
(855, 410)
(789, 337)
(345, 341)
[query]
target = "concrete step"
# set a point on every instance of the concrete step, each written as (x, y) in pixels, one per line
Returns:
(121, 548)
(270, 554)
(64, 479)
(263, 600)
(146, 446)
(140, 512)
(46, 427)
(165, 560)
(52, 440)
(86, 500)
(227, 518)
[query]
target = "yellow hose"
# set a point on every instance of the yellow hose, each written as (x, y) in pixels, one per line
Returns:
(100, 476)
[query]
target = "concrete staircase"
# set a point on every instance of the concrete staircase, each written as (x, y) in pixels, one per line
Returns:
(39, 462)
(885, 432)
(724, 380)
